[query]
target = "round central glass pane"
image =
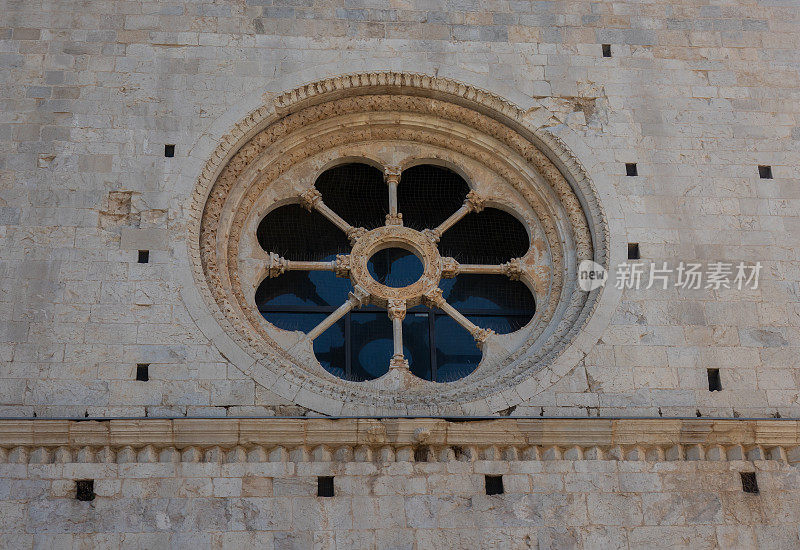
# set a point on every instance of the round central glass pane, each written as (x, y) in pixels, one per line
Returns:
(395, 267)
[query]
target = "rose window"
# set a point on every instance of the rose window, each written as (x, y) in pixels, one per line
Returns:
(381, 269)
(389, 243)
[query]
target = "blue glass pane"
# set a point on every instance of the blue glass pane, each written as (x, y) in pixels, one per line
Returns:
(488, 294)
(457, 355)
(303, 288)
(416, 343)
(395, 267)
(372, 345)
(328, 347)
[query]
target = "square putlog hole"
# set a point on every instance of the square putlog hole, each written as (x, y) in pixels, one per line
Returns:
(631, 169)
(325, 486)
(714, 381)
(169, 150)
(144, 257)
(633, 251)
(494, 485)
(84, 490)
(143, 372)
(606, 50)
(749, 482)
(765, 172)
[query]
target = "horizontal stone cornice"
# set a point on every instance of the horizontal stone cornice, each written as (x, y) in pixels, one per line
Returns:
(271, 439)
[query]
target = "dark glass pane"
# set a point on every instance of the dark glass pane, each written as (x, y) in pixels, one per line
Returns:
(303, 288)
(328, 347)
(487, 237)
(297, 234)
(457, 355)
(428, 195)
(395, 267)
(416, 343)
(372, 345)
(357, 192)
(488, 294)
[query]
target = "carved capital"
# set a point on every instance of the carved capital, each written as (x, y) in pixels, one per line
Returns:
(276, 265)
(310, 198)
(449, 267)
(392, 174)
(396, 309)
(513, 269)
(358, 297)
(341, 266)
(434, 297)
(474, 201)
(481, 334)
(394, 219)
(398, 362)
(356, 233)
(432, 235)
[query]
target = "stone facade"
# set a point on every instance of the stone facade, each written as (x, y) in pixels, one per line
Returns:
(697, 95)
(408, 483)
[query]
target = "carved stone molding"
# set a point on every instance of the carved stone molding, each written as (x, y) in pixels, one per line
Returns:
(451, 121)
(43, 441)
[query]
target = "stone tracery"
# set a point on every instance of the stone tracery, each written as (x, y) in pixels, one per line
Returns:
(454, 125)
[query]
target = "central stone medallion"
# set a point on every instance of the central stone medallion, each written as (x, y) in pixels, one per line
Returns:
(395, 244)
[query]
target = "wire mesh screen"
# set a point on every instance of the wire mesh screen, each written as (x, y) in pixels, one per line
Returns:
(488, 294)
(428, 195)
(357, 192)
(297, 234)
(359, 346)
(488, 237)
(303, 290)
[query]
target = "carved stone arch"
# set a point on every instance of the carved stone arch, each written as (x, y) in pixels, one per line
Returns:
(430, 113)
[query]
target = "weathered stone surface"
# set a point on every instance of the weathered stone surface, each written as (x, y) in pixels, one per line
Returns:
(697, 95)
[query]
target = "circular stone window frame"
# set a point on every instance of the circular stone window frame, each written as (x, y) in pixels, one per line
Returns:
(435, 105)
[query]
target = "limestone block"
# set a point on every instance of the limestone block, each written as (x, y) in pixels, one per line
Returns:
(134, 238)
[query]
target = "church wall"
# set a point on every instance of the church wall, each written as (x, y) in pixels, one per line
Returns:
(697, 95)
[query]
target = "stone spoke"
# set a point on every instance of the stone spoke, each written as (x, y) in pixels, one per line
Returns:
(277, 265)
(435, 299)
(397, 312)
(356, 299)
(512, 269)
(392, 176)
(473, 203)
(312, 200)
